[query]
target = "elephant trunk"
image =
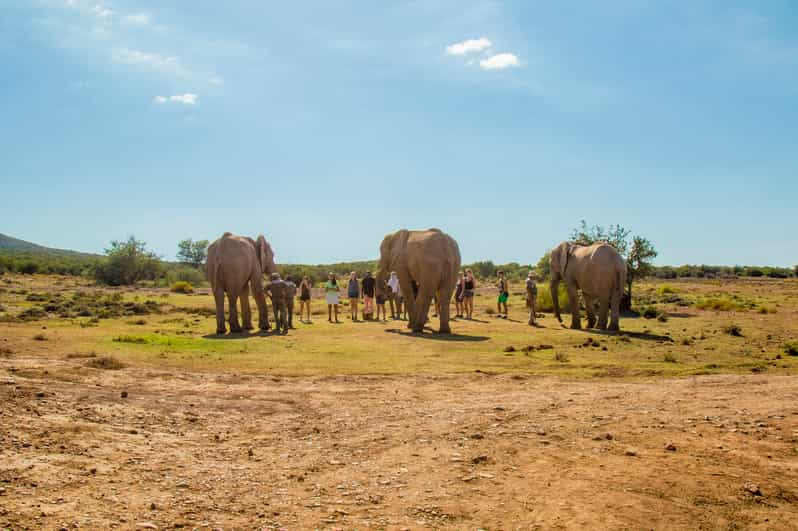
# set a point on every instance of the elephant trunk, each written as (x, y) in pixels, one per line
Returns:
(555, 296)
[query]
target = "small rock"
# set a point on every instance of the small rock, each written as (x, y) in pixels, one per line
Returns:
(479, 459)
(630, 453)
(153, 506)
(40, 394)
(670, 447)
(753, 489)
(123, 394)
(146, 525)
(92, 470)
(250, 452)
(182, 485)
(509, 349)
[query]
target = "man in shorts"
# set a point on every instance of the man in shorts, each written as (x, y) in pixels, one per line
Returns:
(531, 297)
(504, 294)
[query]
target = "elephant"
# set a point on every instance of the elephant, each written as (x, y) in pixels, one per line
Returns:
(428, 258)
(598, 271)
(234, 264)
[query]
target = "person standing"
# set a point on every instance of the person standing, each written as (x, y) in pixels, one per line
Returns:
(353, 292)
(469, 285)
(369, 285)
(394, 297)
(290, 295)
(504, 294)
(531, 297)
(304, 298)
(382, 298)
(458, 294)
(331, 290)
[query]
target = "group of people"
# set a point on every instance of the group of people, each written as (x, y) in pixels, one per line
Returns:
(283, 293)
(374, 299)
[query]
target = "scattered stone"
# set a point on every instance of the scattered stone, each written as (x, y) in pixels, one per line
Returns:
(145, 525)
(250, 452)
(92, 470)
(123, 394)
(477, 436)
(670, 447)
(630, 453)
(182, 485)
(753, 489)
(479, 459)
(509, 349)
(40, 394)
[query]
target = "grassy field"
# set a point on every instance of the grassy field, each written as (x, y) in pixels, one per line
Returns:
(691, 327)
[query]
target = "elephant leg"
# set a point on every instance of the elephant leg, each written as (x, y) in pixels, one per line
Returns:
(246, 311)
(406, 283)
(260, 300)
(590, 308)
(615, 310)
(421, 309)
(232, 301)
(604, 304)
(445, 300)
(573, 300)
(218, 297)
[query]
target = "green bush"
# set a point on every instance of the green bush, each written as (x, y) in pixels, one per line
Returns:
(665, 289)
(128, 262)
(791, 348)
(195, 277)
(544, 303)
(181, 286)
(650, 312)
(721, 304)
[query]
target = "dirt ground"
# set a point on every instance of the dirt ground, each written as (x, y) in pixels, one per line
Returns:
(142, 448)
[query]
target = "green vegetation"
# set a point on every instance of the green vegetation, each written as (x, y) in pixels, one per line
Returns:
(791, 348)
(723, 304)
(192, 253)
(105, 362)
(127, 263)
(181, 286)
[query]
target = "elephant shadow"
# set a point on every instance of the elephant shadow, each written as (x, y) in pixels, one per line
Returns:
(242, 335)
(635, 335)
(436, 336)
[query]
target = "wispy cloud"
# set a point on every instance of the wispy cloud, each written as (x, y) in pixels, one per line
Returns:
(468, 46)
(216, 80)
(500, 61)
(168, 63)
(185, 99)
(100, 11)
(138, 19)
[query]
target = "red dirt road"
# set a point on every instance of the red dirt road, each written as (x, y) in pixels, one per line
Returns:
(204, 450)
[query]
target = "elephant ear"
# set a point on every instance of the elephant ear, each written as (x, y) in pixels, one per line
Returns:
(265, 255)
(562, 257)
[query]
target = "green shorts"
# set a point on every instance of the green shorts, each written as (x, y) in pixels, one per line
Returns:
(503, 297)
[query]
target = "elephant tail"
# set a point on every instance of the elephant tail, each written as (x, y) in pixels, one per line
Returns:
(621, 280)
(215, 273)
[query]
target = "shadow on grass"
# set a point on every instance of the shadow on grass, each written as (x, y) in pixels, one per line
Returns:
(436, 335)
(636, 335)
(243, 335)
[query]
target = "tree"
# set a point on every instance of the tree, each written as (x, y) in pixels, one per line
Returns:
(128, 262)
(543, 267)
(615, 235)
(192, 253)
(638, 263)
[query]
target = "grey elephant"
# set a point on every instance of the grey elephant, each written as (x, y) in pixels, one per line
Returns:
(234, 264)
(428, 259)
(279, 289)
(599, 272)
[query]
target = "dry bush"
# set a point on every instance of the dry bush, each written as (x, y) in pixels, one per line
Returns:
(105, 362)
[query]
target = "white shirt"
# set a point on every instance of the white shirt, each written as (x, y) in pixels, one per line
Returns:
(393, 282)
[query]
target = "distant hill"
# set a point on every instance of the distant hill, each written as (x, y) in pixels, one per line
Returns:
(15, 245)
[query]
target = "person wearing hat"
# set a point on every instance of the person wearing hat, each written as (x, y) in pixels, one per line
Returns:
(279, 291)
(290, 295)
(531, 297)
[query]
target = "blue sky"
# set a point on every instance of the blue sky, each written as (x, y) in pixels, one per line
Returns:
(325, 125)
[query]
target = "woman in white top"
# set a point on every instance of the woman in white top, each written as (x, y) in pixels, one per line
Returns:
(394, 298)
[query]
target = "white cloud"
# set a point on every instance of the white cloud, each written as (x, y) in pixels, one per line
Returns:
(138, 19)
(216, 80)
(156, 61)
(185, 99)
(500, 61)
(101, 11)
(468, 46)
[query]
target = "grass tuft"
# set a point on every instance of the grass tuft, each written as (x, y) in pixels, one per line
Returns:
(791, 348)
(131, 339)
(182, 286)
(105, 362)
(562, 357)
(733, 330)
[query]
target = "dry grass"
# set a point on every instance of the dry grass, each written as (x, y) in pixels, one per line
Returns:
(182, 336)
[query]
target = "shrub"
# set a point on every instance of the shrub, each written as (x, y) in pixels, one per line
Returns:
(544, 302)
(650, 312)
(733, 330)
(185, 274)
(791, 348)
(669, 358)
(562, 357)
(128, 262)
(721, 304)
(665, 289)
(105, 362)
(131, 339)
(32, 314)
(182, 286)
